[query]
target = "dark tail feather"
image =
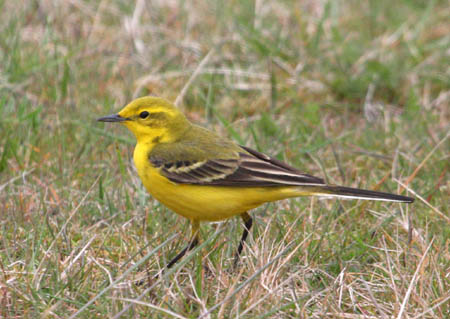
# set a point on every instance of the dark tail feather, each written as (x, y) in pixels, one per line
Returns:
(348, 192)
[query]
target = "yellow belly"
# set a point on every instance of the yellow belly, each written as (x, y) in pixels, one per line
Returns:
(209, 203)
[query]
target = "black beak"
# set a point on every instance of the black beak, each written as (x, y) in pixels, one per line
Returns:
(112, 118)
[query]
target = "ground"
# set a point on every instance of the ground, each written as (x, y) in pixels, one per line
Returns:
(356, 92)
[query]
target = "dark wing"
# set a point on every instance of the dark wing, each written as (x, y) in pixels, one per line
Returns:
(250, 168)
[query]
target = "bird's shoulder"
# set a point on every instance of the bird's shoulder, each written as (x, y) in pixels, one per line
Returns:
(196, 145)
(199, 157)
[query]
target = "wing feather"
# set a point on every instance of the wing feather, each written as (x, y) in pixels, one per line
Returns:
(249, 168)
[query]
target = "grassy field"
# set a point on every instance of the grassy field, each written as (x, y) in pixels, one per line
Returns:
(357, 92)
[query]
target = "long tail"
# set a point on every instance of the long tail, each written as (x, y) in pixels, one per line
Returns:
(356, 193)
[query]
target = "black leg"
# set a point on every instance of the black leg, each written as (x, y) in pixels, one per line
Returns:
(191, 245)
(248, 221)
(194, 241)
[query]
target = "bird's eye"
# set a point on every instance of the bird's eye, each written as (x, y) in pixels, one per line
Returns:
(143, 115)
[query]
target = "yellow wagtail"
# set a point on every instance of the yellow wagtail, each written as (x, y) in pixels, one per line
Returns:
(205, 177)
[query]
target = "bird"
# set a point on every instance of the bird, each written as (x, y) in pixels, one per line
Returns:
(206, 177)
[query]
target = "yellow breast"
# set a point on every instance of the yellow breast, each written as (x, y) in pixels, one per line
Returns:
(198, 202)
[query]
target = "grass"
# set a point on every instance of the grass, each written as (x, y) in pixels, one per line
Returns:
(356, 92)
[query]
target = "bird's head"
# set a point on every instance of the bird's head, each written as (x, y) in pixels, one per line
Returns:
(151, 119)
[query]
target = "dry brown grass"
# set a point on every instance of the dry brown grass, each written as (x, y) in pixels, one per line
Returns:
(355, 92)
